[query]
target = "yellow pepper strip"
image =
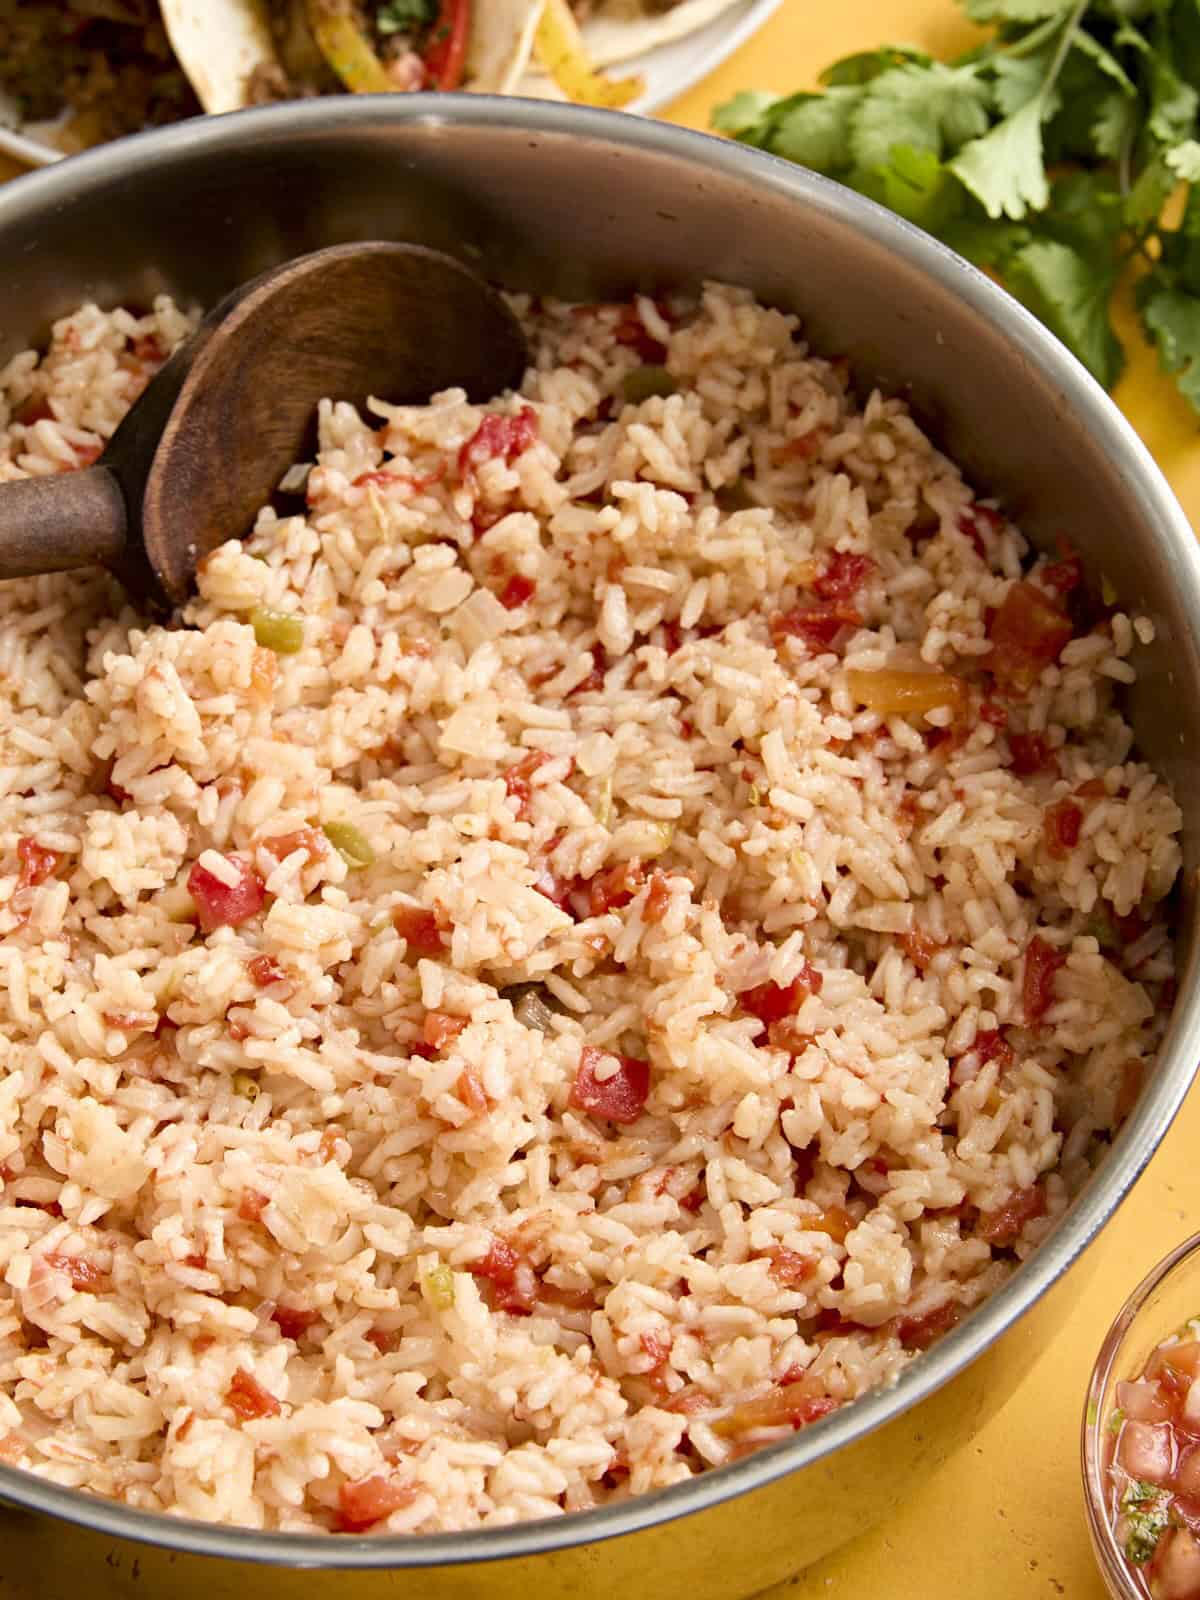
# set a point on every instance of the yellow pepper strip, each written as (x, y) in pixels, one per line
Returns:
(346, 47)
(559, 47)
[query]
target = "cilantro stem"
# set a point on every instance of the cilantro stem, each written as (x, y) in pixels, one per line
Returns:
(1066, 40)
(1033, 40)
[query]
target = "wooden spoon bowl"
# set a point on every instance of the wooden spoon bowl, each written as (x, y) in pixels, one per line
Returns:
(214, 432)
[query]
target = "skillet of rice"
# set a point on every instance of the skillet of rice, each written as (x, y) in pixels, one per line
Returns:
(493, 1019)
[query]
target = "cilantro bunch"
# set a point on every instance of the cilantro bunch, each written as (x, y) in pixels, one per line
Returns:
(1047, 155)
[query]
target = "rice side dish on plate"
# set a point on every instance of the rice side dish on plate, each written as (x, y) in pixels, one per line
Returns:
(612, 921)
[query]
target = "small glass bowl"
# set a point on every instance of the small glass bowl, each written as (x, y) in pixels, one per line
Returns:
(1167, 1297)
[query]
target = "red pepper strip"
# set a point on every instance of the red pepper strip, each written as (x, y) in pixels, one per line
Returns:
(446, 54)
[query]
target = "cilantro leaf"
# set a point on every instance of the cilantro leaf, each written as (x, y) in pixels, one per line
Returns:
(1018, 79)
(815, 129)
(915, 185)
(1154, 187)
(867, 64)
(1173, 104)
(1070, 292)
(1180, 249)
(1004, 170)
(1103, 94)
(926, 108)
(745, 114)
(1086, 42)
(1172, 319)
(1015, 10)
(404, 16)
(1113, 123)
(1184, 160)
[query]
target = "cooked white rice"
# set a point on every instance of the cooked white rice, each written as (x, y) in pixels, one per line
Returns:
(243, 1214)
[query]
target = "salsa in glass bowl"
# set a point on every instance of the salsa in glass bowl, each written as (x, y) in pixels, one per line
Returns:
(1141, 1438)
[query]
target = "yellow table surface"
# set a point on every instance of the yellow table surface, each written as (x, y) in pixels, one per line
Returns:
(1004, 1520)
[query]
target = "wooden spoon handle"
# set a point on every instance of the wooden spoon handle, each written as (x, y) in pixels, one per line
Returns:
(73, 519)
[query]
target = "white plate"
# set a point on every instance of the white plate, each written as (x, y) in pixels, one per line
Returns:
(668, 71)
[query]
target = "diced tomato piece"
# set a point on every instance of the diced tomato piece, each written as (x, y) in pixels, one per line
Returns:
(248, 1398)
(632, 331)
(36, 863)
(265, 971)
(919, 1332)
(991, 1045)
(484, 518)
(252, 1205)
(995, 714)
(595, 678)
(620, 1098)
(804, 447)
(419, 930)
(1180, 1361)
(416, 484)
(518, 781)
(225, 905)
(1060, 828)
(147, 348)
(559, 890)
(975, 522)
(658, 897)
(844, 577)
(1093, 789)
(686, 1401)
(85, 1276)
(440, 1028)
(1031, 753)
(920, 948)
(1066, 573)
(514, 1282)
(385, 1340)
(817, 626)
(35, 409)
(694, 1198)
(1145, 1451)
(363, 1502)
(197, 1262)
(1142, 1402)
(311, 840)
(609, 891)
(672, 635)
(517, 591)
(1027, 632)
(796, 1404)
(771, 1002)
(1004, 1225)
(292, 1322)
(1042, 961)
(132, 1021)
(497, 436)
(789, 1268)
(1175, 1566)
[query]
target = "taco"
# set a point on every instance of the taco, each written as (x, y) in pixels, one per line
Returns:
(248, 52)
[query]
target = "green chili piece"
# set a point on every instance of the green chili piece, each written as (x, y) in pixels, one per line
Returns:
(437, 1285)
(644, 382)
(277, 630)
(351, 843)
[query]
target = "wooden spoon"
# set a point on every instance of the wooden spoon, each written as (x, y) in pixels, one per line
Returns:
(212, 434)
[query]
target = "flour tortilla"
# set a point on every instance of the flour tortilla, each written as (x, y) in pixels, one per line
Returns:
(615, 32)
(219, 44)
